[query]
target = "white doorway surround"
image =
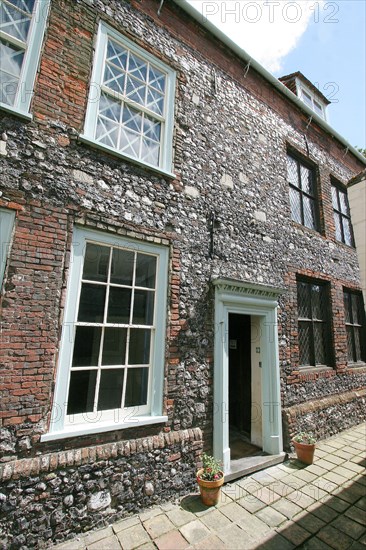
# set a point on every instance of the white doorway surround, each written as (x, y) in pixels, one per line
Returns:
(259, 302)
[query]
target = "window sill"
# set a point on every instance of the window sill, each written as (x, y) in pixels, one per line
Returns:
(318, 368)
(105, 148)
(15, 111)
(80, 430)
(358, 365)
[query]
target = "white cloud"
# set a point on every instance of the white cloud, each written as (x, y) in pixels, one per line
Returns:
(267, 29)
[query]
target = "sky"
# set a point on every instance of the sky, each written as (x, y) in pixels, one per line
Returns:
(325, 40)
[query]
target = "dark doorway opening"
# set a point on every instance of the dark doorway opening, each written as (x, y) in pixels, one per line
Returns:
(240, 387)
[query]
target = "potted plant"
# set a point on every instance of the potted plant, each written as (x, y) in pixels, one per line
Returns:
(304, 443)
(210, 478)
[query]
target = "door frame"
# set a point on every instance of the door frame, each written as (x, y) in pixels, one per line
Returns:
(260, 301)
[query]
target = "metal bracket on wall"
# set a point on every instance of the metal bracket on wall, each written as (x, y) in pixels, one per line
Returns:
(247, 68)
(160, 7)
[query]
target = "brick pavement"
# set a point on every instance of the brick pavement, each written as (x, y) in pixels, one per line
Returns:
(322, 506)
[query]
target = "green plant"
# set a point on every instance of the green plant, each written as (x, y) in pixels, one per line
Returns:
(307, 438)
(212, 468)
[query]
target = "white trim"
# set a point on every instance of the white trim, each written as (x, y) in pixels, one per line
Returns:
(133, 422)
(32, 50)
(7, 218)
(116, 418)
(166, 139)
(259, 301)
(302, 89)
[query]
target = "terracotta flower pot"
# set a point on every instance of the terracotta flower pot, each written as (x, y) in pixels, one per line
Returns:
(304, 452)
(210, 490)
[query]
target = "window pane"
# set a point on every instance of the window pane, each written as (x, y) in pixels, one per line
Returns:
(155, 101)
(110, 389)
(92, 301)
(358, 336)
(152, 128)
(150, 151)
(139, 349)
(347, 306)
(130, 143)
(319, 344)
(343, 202)
(86, 347)
(292, 174)
(347, 231)
(309, 212)
(114, 346)
(356, 317)
(307, 99)
(318, 109)
(135, 90)
(350, 343)
(137, 67)
(335, 197)
(96, 263)
(132, 119)
(317, 298)
(143, 308)
(136, 388)
(295, 205)
(304, 344)
(306, 180)
(122, 267)
(14, 22)
(145, 271)
(10, 67)
(338, 228)
(114, 79)
(156, 79)
(109, 109)
(116, 54)
(81, 391)
(303, 300)
(119, 306)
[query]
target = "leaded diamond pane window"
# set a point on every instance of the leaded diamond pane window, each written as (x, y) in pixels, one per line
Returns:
(342, 216)
(134, 109)
(21, 31)
(114, 332)
(303, 203)
(313, 324)
(355, 326)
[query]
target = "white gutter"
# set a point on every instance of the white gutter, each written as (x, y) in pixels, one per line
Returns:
(187, 7)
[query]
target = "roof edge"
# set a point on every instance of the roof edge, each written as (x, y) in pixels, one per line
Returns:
(186, 6)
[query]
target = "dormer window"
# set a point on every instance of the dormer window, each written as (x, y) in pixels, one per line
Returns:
(307, 92)
(312, 102)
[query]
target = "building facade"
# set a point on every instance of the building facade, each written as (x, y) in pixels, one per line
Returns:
(177, 263)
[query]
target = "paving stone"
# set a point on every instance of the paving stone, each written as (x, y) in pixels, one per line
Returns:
(108, 543)
(274, 541)
(233, 491)
(357, 546)
(334, 538)
(336, 443)
(336, 503)
(158, 525)
(310, 522)
(325, 447)
(281, 488)
(168, 506)
(334, 459)
(212, 542)
(294, 482)
(180, 517)
(263, 477)
(291, 467)
(326, 464)
(346, 455)
(350, 493)
(347, 525)
(323, 512)
(148, 546)
(305, 475)
(152, 513)
(266, 495)
(325, 484)
(255, 527)
(287, 508)
(94, 536)
(235, 538)
(125, 524)
(363, 540)
(194, 531)
(345, 472)
(302, 500)
(193, 504)
(271, 517)
(133, 537)
(361, 503)
(251, 503)
(356, 514)
(173, 540)
(314, 544)
(234, 512)
(361, 479)
(357, 468)
(276, 473)
(249, 485)
(293, 532)
(315, 469)
(215, 520)
(314, 492)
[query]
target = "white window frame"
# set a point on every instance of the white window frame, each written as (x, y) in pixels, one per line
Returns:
(63, 425)
(7, 218)
(302, 90)
(32, 49)
(166, 142)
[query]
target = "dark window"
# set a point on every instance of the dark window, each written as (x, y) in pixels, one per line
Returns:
(355, 326)
(301, 180)
(313, 319)
(342, 218)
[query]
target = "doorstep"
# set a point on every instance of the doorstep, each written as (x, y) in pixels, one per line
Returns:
(250, 464)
